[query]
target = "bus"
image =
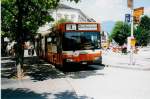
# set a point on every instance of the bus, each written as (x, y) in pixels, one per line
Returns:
(72, 43)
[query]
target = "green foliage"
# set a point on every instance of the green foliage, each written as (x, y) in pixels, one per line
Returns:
(142, 32)
(25, 16)
(62, 20)
(30, 13)
(21, 19)
(145, 23)
(120, 32)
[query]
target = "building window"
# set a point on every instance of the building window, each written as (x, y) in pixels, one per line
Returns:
(79, 18)
(59, 15)
(73, 17)
(66, 16)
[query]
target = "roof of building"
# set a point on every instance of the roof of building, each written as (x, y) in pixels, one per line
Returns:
(65, 7)
(91, 20)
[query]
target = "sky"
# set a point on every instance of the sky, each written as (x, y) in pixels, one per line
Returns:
(108, 10)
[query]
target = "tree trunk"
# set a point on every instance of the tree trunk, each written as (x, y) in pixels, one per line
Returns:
(2, 47)
(20, 40)
(19, 59)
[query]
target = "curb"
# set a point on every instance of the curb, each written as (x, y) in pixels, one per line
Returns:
(133, 67)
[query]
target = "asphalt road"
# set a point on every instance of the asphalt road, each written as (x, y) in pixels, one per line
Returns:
(44, 81)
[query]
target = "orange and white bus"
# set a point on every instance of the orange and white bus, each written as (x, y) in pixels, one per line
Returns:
(72, 43)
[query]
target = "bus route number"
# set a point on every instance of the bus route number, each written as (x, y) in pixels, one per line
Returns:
(71, 27)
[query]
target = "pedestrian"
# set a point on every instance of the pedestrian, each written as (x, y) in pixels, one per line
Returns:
(32, 50)
(8, 49)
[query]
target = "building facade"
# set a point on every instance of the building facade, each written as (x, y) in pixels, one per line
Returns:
(65, 12)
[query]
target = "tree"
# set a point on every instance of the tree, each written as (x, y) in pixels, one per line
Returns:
(21, 19)
(142, 32)
(62, 20)
(120, 32)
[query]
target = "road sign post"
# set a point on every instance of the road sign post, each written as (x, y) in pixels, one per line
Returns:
(130, 48)
(131, 6)
(135, 17)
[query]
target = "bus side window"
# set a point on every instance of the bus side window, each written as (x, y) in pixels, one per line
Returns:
(59, 48)
(54, 40)
(49, 40)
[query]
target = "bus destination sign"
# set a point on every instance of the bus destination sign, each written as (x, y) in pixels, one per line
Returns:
(87, 26)
(81, 26)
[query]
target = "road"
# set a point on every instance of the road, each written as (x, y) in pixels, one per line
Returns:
(43, 81)
(124, 82)
(112, 83)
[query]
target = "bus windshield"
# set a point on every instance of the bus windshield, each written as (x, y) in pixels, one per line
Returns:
(81, 41)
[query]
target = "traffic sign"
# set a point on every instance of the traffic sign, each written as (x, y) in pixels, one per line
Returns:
(137, 13)
(133, 41)
(127, 17)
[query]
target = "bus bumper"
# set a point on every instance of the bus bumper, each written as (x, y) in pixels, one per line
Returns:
(97, 61)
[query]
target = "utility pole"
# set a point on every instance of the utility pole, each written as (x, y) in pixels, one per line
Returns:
(132, 22)
(135, 18)
(132, 36)
(131, 6)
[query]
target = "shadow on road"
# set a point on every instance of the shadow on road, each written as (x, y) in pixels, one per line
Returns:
(76, 68)
(8, 69)
(8, 58)
(23, 93)
(40, 70)
(79, 72)
(37, 69)
(70, 95)
(20, 94)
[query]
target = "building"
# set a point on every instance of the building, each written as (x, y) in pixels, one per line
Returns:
(105, 39)
(66, 12)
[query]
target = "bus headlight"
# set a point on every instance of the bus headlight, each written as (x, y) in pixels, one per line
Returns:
(69, 60)
(96, 58)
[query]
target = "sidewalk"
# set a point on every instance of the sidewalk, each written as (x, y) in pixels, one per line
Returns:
(42, 81)
(141, 60)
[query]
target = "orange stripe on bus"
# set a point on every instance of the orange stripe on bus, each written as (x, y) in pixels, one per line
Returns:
(82, 57)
